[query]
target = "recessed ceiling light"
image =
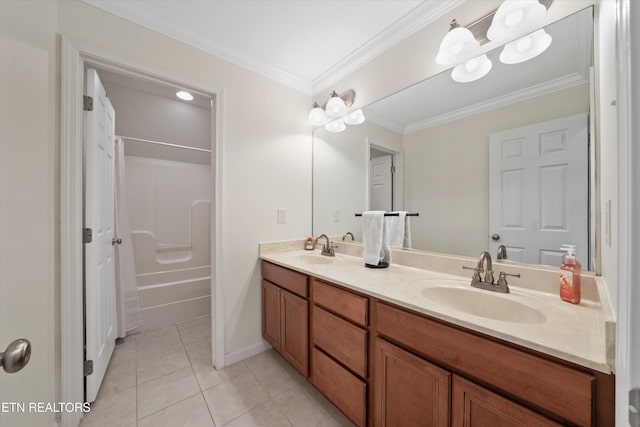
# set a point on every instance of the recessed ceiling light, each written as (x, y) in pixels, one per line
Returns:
(184, 95)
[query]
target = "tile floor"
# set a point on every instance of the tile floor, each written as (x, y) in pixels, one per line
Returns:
(163, 377)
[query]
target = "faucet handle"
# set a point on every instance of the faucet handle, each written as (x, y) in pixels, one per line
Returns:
(502, 279)
(476, 275)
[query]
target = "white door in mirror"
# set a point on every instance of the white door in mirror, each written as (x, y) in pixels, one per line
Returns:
(538, 195)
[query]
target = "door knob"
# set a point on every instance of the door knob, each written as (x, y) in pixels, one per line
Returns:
(16, 356)
(116, 241)
(495, 237)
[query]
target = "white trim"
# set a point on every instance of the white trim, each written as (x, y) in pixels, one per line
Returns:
(73, 59)
(247, 352)
(217, 297)
(71, 322)
(416, 20)
(530, 92)
(628, 200)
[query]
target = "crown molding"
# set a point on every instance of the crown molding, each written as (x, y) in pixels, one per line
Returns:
(380, 121)
(565, 82)
(131, 12)
(417, 19)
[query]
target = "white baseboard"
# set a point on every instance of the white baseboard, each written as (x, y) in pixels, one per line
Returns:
(245, 353)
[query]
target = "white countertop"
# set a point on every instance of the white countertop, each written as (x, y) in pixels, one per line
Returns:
(576, 333)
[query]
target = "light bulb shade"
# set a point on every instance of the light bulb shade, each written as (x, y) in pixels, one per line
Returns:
(514, 18)
(457, 45)
(335, 126)
(354, 118)
(317, 117)
(525, 48)
(471, 70)
(335, 106)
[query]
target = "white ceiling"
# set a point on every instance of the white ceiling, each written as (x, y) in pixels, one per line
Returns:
(305, 44)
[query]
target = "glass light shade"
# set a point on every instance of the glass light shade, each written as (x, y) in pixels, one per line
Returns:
(317, 117)
(525, 48)
(354, 118)
(471, 70)
(335, 106)
(514, 18)
(335, 126)
(457, 45)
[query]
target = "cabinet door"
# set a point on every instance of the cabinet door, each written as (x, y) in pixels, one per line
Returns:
(475, 406)
(271, 314)
(294, 320)
(409, 390)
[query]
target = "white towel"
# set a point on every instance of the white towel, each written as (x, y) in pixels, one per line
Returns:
(399, 230)
(375, 238)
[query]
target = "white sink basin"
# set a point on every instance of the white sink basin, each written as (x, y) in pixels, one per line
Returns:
(484, 304)
(313, 259)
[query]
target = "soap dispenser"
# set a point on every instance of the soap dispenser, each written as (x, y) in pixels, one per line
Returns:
(570, 276)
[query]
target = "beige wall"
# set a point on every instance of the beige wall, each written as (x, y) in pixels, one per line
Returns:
(447, 170)
(340, 168)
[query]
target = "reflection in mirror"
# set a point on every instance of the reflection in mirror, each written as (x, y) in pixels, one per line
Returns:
(504, 156)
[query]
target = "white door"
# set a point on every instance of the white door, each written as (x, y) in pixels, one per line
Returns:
(538, 193)
(27, 229)
(380, 183)
(100, 292)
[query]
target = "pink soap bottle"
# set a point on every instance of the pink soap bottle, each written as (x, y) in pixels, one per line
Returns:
(570, 276)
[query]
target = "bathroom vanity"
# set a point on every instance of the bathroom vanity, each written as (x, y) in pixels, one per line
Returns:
(389, 350)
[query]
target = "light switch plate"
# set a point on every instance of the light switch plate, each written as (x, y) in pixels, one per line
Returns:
(282, 215)
(336, 216)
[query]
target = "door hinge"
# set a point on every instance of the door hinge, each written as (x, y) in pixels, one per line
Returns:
(87, 103)
(634, 407)
(393, 169)
(88, 367)
(87, 235)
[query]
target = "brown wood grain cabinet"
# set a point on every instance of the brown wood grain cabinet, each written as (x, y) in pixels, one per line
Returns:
(384, 365)
(285, 315)
(409, 391)
(475, 406)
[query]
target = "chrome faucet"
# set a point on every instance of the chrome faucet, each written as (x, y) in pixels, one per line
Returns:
(502, 252)
(348, 233)
(487, 284)
(328, 249)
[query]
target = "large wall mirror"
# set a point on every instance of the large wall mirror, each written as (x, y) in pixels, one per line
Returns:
(506, 159)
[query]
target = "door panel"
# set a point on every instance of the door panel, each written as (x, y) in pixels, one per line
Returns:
(271, 314)
(538, 195)
(381, 184)
(100, 294)
(294, 347)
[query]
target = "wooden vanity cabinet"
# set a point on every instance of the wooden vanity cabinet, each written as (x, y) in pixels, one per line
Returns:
(493, 383)
(409, 391)
(285, 314)
(340, 341)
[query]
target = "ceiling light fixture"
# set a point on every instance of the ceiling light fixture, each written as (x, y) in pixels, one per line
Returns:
(184, 95)
(512, 19)
(336, 108)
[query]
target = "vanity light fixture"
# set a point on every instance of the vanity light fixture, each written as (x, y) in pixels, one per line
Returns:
(184, 95)
(334, 113)
(512, 19)
(525, 48)
(458, 44)
(472, 69)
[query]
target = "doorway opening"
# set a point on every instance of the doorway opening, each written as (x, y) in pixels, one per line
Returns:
(73, 64)
(385, 172)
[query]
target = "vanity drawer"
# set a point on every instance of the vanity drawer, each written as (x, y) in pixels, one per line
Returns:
(344, 341)
(340, 386)
(547, 386)
(285, 278)
(348, 305)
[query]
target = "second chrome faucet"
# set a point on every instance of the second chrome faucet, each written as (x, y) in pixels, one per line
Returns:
(488, 283)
